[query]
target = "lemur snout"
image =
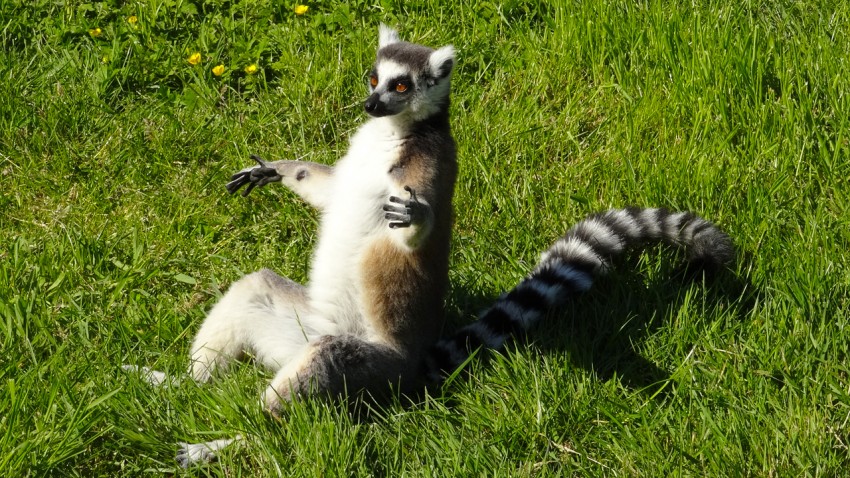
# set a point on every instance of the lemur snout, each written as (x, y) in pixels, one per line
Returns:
(374, 106)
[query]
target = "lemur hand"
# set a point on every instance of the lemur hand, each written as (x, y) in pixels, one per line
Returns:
(410, 211)
(254, 176)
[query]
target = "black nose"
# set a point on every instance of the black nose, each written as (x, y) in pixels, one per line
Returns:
(372, 102)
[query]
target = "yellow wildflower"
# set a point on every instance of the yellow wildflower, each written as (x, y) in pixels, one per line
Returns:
(218, 70)
(301, 9)
(132, 19)
(194, 59)
(95, 32)
(251, 69)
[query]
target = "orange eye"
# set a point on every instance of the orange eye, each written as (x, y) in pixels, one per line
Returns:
(400, 87)
(373, 80)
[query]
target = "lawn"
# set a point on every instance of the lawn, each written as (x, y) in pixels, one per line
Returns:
(120, 123)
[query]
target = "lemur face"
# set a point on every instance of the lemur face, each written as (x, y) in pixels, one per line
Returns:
(408, 78)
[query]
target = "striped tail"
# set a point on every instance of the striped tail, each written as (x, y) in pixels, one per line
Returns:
(569, 267)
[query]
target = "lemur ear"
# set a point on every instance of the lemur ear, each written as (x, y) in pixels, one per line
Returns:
(442, 61)
(386, 36)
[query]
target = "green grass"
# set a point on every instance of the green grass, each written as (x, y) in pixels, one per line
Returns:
(116, 233)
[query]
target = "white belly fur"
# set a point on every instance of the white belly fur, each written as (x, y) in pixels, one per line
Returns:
(352, 220)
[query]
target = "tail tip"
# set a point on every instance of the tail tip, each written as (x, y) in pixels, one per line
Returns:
(710, 253)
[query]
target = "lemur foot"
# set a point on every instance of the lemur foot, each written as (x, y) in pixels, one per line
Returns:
(255, 176)
(194, 453)
(151, 376)
(410, 211)
(199, 453)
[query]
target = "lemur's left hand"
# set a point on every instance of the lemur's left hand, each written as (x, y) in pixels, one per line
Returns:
(255, 176)
(410, 211)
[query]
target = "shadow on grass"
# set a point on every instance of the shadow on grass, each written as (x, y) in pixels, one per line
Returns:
(602, 329)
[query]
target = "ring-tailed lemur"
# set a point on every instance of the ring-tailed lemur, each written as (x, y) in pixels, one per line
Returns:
(374, 303)
(373, 309)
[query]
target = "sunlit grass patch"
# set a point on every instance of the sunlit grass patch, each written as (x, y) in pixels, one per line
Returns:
(120, 123)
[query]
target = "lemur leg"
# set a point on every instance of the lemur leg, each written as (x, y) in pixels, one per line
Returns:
(262, 313)
(334, 364)
(330, 364)
(309, 180)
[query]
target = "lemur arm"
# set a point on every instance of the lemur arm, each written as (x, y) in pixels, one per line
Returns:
(308, 180)
(414, 218)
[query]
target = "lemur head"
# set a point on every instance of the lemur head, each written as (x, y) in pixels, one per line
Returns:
(408, 78)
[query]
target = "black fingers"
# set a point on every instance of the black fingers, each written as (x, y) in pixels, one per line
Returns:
(237, 181)
(412, 193)
(240, 179)
(399, 216)
(259, 160)
(398, 209)
(403, 215)
(398, 219)
(257, 176)
(262, 175)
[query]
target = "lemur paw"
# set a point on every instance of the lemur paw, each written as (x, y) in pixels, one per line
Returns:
(255, 176)
(409, 211)
(199, 453)
(151, 376)
(194, 453)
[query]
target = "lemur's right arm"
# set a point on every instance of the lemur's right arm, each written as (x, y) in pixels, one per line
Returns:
(308, 180)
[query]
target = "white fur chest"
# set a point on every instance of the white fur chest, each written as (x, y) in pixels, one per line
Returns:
(352, 220)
